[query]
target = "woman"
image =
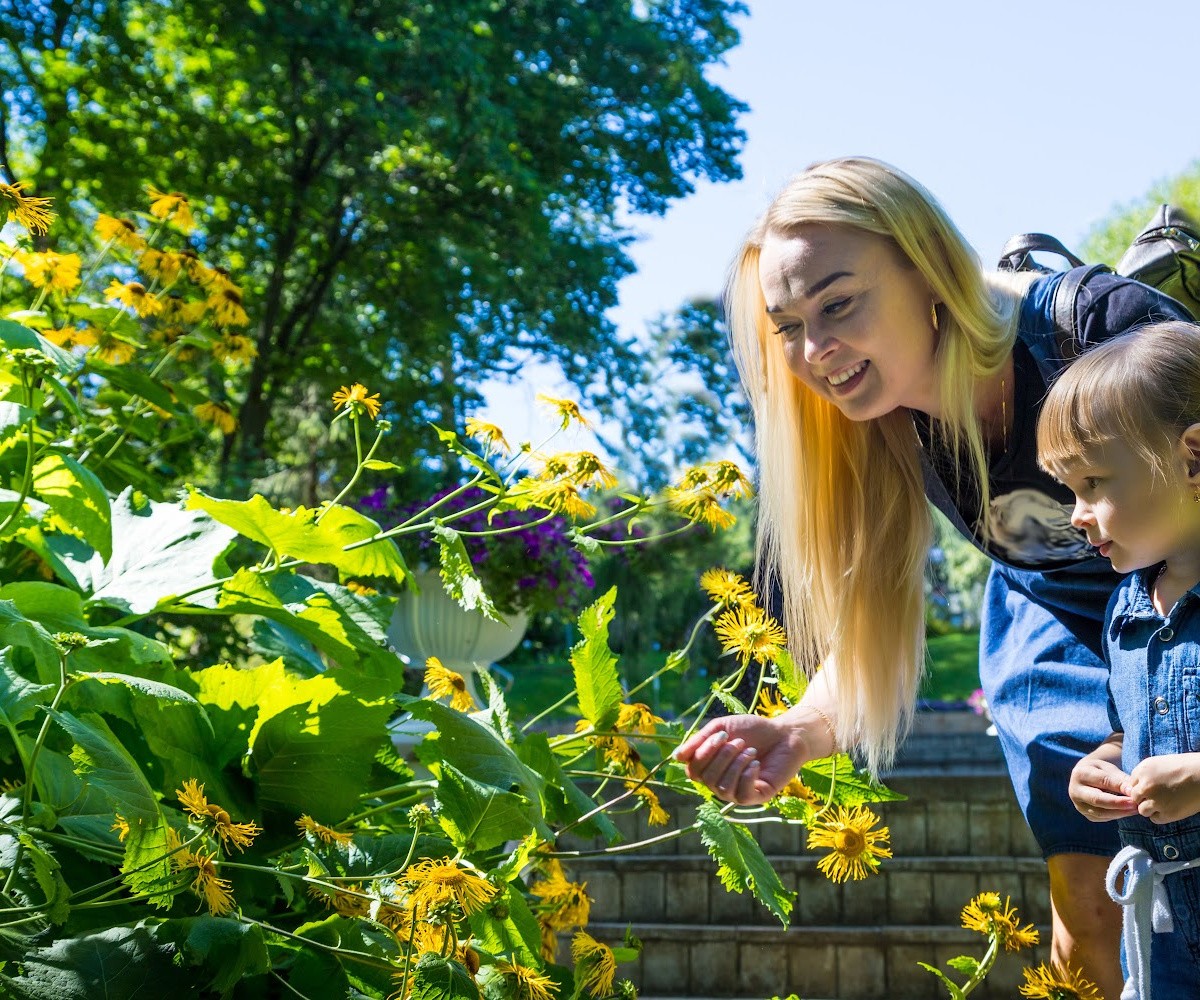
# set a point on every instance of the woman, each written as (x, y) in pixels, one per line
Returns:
(885, 368)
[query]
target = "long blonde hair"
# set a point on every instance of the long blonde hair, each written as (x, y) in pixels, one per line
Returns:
(1141, 388)
(844, 528)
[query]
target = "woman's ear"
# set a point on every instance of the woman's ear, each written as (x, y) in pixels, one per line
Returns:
(1189, 448)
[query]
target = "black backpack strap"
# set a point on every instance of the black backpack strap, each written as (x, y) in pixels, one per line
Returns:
(1066, 311)
(1015, 255)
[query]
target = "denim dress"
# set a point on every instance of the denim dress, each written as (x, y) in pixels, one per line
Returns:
(1041, 663)
(1154, 687)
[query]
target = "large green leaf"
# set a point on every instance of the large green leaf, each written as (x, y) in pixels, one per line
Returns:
(14, 335)
(335, 538)
(106, 766)
(19, 698)
(116, 962)
(508, 929)
(458, 574)
(437, 978)
(38, 880)
(318, 762)
(78, 497)
(84, 811)
(17, 630)
(474, 749)
(741, 862)
(159, 550)
(565, 800)
(223, 951)
(596, 682)
(147, 865)
(849, 786)
(477, 817)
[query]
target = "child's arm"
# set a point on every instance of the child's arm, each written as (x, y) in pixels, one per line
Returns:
(1099, 788)
(1167, 788)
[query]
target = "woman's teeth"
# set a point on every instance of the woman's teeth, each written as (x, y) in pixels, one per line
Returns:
(846, 375)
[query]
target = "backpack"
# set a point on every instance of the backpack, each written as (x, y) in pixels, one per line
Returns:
(1165, 255)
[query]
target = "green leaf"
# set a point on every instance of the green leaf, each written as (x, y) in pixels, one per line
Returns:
(13, 418)
(318, 761)
(507, 926)
(732, 704)
(300, 535)
(458, 575)
(19, 698)
(955, 992)
(565, 800)
(146, 866)
(38, 862)
(595, 665)
(454, 444)
(437, 978)
(159, 550)
(965, 964)
(792, 681)
(17, 630)
(496, 714)
(78, 497)
(741, 862)
(16, 336)
(105, 765)
(849, 785)
(478, 817)
(225, 950)
(115, 962)
(84, 811)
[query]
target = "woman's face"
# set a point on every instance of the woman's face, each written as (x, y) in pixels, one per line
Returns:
(853, 317)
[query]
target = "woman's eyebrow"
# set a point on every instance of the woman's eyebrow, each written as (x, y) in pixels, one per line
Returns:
(817, 287)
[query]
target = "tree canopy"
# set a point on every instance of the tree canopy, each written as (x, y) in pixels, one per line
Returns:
(418, 194)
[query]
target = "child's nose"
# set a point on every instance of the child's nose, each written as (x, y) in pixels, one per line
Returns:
(1081, 515)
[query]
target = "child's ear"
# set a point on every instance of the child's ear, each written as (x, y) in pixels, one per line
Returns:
(1189, 445)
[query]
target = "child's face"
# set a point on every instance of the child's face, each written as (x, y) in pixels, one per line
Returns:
(1130, 514)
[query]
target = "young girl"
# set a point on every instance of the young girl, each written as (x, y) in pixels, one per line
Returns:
(1121, 428)
(888, 370)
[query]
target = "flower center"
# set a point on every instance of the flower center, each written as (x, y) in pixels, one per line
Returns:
(849, 842)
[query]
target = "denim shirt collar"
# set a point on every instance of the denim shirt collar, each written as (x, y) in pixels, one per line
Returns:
(1133, 602)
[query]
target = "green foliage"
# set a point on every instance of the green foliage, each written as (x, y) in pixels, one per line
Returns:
(741, 863)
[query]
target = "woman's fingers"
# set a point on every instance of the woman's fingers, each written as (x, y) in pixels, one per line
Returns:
(687, 750)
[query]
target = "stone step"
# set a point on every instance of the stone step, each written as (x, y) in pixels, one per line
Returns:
(851, 963)
(907, 890)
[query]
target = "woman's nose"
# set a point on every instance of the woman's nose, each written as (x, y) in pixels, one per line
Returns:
(817, 346)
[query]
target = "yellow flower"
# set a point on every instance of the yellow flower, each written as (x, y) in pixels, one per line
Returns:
(658, 815)
(134, 295)
(356, 399)
(57, 271)
(324, 834)
(565, 904)
(234, 347)
(726, 588)
(32, 213)
(121, 826)
(165, 265)
(797, 789)
(227, 308)
(526, 983)
(770, 703)
(567, 409)
(113, 350)
(239, 835)
(65, 337)
(595, 965)
(700, 505)
(350, 901)
(1052, 982)
(86, 336)
(750, 632)
(582, 467)
(215, 891)
(560, 496)
(172, 206)
(489, 434)
(361, 589)
(217, 413)
(637, 718)
(723, 477)
(549, 935)
(856, 848)
(176, 309)
(986, 914)
(433, 884)
(445, 683)
(122, 231)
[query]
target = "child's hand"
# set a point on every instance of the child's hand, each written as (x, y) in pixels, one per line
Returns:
(1100, 790)
(1167, 788)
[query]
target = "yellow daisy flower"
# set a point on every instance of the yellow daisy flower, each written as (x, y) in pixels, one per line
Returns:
(325, 834)
(567, 409)
(356, 399)
(856, 848)
(724, 478)
(637, 718)
(58, 272)
(32, 213)
(595, 964)
(213, 890)
(750, 632)
(986, 914)
(171, 206)
(526, 983)
(658, 815)
(549, 949)
(565, 904)
(234, 347)
(64, 337)
(86, 336)
(445, 683)
(177, 309)
(122, 231)
(560, 496)
(582, 467)
(239, 835)
(112, 350)
(433, 883)
(726, 588)
(361, 589)
(489, 434)
(700, 505)
(227, 308)
(218, 414)
(165, 265)
(134, 295)
(770, 703)
(120, 827)
(797, 789)
(1051, 982)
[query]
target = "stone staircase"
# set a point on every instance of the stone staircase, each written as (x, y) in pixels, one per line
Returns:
(959, 833)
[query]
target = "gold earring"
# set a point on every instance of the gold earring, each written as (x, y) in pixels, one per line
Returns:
(933, 316)
(1196, 495)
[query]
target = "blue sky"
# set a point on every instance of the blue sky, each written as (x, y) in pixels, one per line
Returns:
(1017, 116)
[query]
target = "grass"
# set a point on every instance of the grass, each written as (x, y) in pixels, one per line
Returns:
(953, 667)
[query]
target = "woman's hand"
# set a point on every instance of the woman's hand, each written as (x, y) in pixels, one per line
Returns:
(745, 759)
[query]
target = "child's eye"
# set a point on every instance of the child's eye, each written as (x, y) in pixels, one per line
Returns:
(1093, 482)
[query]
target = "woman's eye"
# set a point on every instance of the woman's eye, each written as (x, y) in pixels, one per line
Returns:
(788, 330)
(835, 307)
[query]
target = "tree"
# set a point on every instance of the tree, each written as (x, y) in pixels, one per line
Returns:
(1110, 237)
(419, 193)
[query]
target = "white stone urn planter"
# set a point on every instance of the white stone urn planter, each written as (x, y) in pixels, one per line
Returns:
(432, 623)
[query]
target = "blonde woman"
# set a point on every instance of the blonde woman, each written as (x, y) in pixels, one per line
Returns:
(886, 369)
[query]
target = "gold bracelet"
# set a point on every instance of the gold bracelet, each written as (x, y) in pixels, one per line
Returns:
(828, 725)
